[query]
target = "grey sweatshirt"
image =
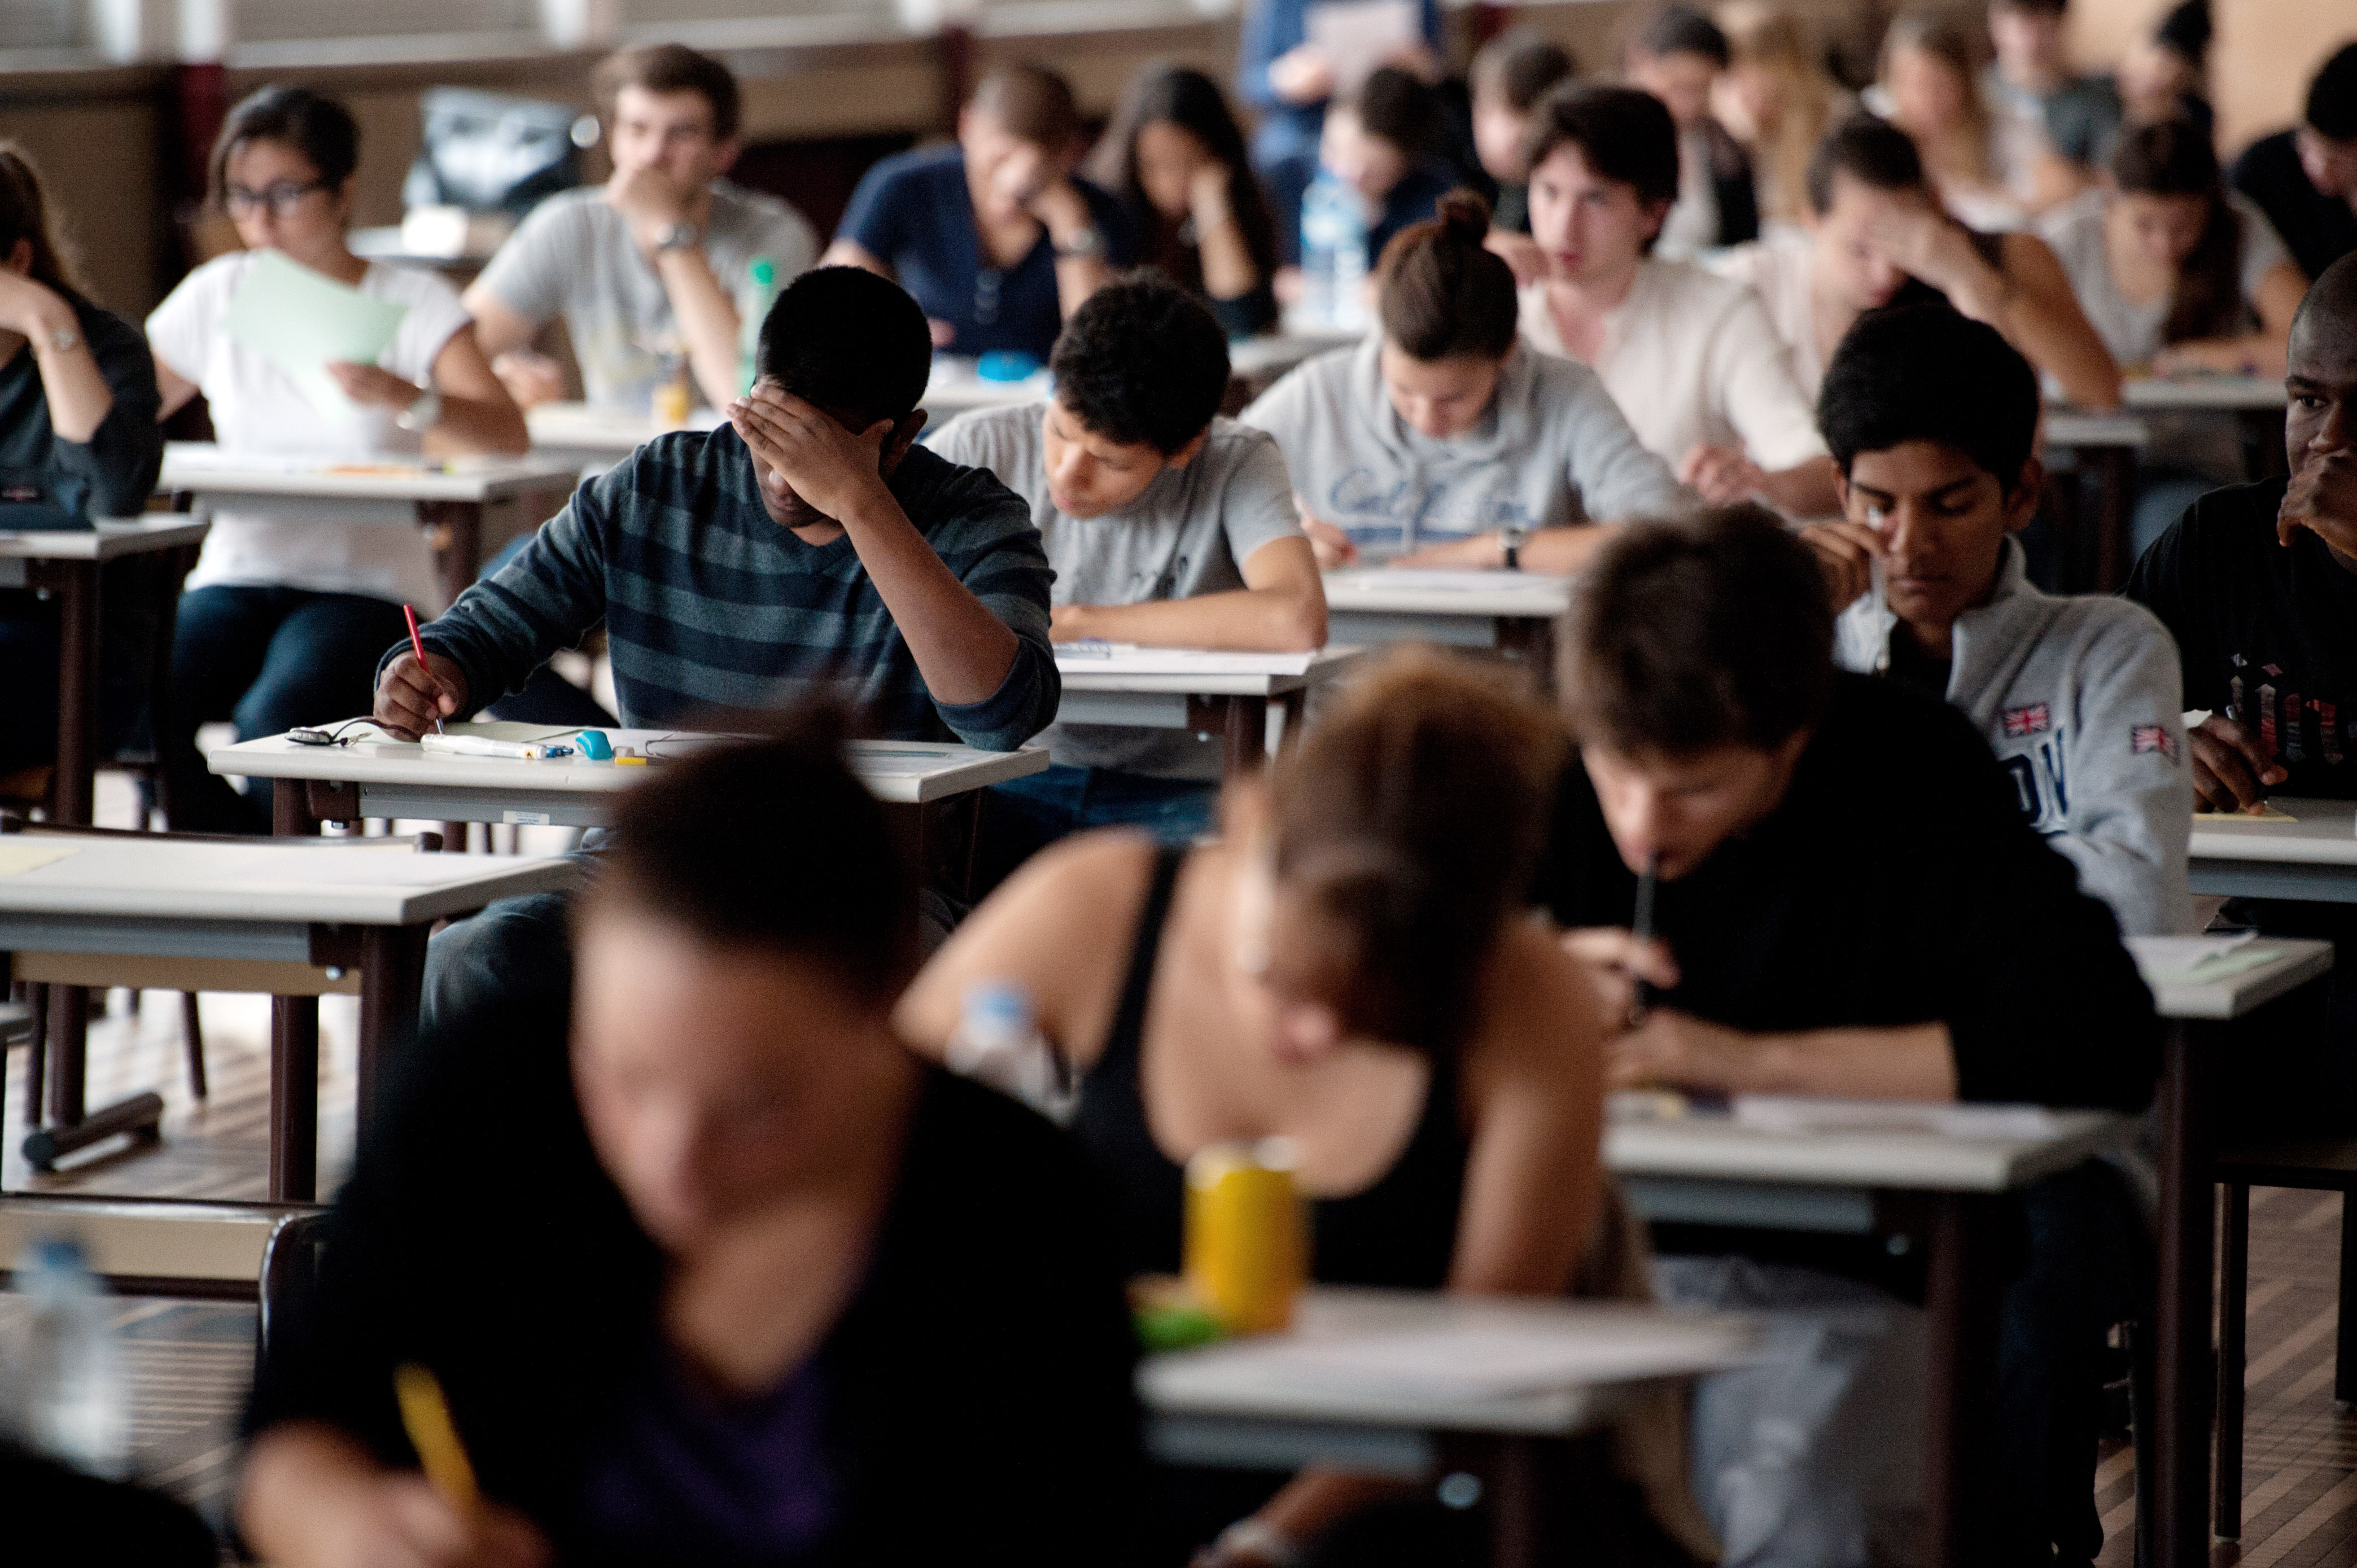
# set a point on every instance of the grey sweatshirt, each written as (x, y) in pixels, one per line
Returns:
(1552, 449)
(2080, 699)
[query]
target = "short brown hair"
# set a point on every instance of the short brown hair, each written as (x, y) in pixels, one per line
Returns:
(1622, 134)
(670, 68)
(25, 215)
(1445, 295)
(1688, 635)
(1519, 65)
(1034, 103)
(1410, 818)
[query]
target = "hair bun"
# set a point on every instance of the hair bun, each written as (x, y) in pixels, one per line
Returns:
(1465, 217)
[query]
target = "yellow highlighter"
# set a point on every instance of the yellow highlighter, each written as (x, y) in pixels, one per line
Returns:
(426, 1416)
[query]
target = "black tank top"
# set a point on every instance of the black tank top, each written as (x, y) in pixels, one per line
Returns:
(1401, 1231)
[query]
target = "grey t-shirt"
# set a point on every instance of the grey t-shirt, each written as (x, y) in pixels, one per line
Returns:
(1552, 449)
(2129, 330)
(574, 257)
(1189, 533)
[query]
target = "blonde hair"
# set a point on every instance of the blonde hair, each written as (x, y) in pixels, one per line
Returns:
(1775, 41)
(1941, 35)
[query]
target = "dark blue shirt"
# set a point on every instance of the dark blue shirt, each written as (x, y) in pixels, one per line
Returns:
(1272, 27)
(913, 212)
(711, 607)
(1415, 198)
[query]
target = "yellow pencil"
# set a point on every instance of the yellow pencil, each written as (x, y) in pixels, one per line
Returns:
(426, 1416)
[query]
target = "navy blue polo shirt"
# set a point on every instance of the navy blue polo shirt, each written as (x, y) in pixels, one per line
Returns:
(912, 211)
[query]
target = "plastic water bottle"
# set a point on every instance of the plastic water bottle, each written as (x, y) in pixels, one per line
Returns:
(760, 293)
(999, 1043)
(64, 1393)
(1334, 253)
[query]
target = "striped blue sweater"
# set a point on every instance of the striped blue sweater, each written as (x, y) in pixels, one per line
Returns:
(710, 607)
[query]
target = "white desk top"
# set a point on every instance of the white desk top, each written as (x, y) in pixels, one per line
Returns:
(2325, 834)
(328, 882)
(2289, 962)
(2063, 428)
(1196, 673)
(900, 771)
(1275, 354)
(1434, 1362)
(2223, 392)
(1893, 1145)
(109, 538)
(201, 467)
(1518, 595)
(957, 387)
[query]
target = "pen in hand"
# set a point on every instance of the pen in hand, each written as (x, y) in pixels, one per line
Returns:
(417, 646)
(1640, 995)
(426, 1417)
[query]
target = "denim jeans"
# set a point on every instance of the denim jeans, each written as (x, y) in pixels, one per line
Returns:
(1024, 816)
(268, 659)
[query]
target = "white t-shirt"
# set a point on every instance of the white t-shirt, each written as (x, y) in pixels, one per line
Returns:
(2132, 332)
(1694, 359)
(327, 546)
(1777, 268)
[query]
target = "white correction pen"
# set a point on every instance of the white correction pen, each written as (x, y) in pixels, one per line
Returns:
(1881, 591)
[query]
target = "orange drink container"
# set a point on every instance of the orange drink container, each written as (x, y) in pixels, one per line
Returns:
(1248, 1234)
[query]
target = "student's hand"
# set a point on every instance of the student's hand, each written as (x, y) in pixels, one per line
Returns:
(1675, 1049)
(530, 376)
(2322, 499)
(1070, 623)
(2230, 770)
(800, 448)
(410, 699)
(1302, 74)
(31, 308)
(1614, 961)
(650, 201)
(1207, 194)
(1845, 551)
(1060, 206)
(1924, 244)
(1722, 475)
(398, 1520)
(1519, 251)
(374, 385)
(1478, 552)
(1331, 546)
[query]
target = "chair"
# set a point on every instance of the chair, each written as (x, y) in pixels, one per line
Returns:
(290, 1276)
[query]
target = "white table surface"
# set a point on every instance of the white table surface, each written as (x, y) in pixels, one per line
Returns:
(2296, 961)
(584, 428)
(1117, 673)
(1269, 1378)
(199, 468)
(956, 387)
(2220, 392)
(2063, 428)
(2325, 834)
(1514, 595)
(108, 539)
(1276, 353)
(899, 771)
(320, 881)
(1719, 1148)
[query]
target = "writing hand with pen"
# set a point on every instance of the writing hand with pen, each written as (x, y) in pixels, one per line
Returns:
(1651, 1046)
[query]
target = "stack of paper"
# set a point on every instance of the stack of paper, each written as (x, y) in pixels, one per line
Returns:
(299, 320)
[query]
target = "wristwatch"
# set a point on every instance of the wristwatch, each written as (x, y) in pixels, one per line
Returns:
(65, 341)
(1083, 241)
(1509, 540)
(677, 236)
(423, 415)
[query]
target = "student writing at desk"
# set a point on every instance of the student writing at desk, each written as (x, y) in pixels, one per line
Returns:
(1445, 436)
(1849, 903)
(655, 261)
(78, 405)
(808, 545)
(1351, 966)
(1692, 359)
(996, 236)
(1165, 525)
(287, 610)
(735, 1278)
(1933, 420)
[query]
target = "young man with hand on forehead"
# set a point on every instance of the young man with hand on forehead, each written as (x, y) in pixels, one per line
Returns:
(1166, 524)
(1932, 420)
(662, 252)
(1848, 903)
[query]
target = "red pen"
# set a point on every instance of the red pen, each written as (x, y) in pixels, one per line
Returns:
(417, 646)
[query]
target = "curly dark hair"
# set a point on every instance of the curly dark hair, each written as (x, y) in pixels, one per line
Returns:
(1142, 362)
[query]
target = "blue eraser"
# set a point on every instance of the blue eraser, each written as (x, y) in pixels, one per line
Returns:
(595, 745)
(1006, 365)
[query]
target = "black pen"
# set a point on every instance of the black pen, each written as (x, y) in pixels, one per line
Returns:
(1641, 997)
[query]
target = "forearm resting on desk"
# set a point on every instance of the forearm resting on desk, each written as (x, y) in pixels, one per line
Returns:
(1245, 619)
(1910, 1061)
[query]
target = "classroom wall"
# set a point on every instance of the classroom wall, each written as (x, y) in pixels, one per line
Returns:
(2264, 53)
(94, 137)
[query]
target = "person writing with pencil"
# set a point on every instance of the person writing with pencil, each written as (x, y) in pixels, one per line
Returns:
(1847, 902)
(730, 1276)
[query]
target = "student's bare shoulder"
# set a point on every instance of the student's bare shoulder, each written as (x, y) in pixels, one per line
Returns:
(1540, 1019)
(1086, 877)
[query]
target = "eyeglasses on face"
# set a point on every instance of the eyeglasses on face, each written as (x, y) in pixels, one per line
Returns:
(284, 198)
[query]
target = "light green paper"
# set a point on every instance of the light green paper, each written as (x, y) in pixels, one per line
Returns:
(298, 320)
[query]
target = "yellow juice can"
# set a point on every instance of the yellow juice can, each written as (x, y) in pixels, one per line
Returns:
(1248, 1234)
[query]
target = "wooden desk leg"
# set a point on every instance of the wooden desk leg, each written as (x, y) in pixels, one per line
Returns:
(1530, 644)
(290, 810)
(71, 795)
(1246, 733)
(2182, 1306)
(293, 1098)
(456, 528)
(68, 1048)
(392, 971)
(2114, 512)
(1961, 1442)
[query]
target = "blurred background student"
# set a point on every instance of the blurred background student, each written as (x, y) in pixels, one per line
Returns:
(1382, 145)
(2165, 73)
(1776, 98)
(1174, 155)
(997, 235)
(2305, 180)
(2056, 128)
(1678, 57)
(78, 405)
(287, 611)
(1513, 71)
(1352, 967)
(754, 1273)
(1286, 76)
(1930, 87)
